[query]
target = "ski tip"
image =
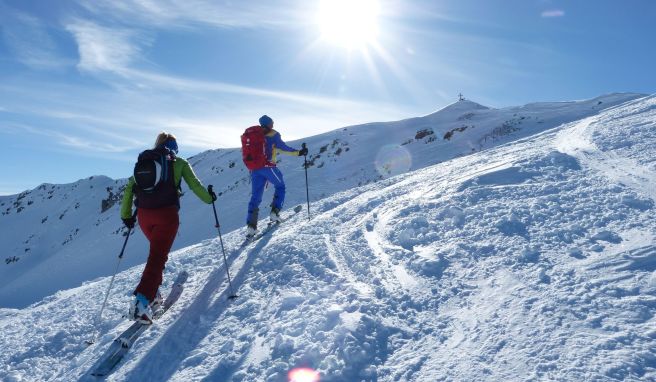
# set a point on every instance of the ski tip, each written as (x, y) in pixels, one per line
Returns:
(232, 297)
(89, 342)
(298, 208)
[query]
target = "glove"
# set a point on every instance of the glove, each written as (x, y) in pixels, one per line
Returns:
(303, 152)
(210, 190)
(129, 222)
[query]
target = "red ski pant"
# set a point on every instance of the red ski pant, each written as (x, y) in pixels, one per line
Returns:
(160, 226)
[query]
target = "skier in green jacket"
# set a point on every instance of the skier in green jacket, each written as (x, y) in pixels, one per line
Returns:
(157, 212)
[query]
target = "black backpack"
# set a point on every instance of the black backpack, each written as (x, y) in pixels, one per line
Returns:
(154, 179)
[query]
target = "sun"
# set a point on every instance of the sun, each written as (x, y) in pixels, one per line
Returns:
(351, 24)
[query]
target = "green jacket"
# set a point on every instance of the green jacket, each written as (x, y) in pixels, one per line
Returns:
(181, 169)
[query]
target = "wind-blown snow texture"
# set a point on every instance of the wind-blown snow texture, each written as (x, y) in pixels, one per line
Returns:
(531, 260)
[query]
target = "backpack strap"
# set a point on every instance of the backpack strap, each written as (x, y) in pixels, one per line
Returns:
(165, 167)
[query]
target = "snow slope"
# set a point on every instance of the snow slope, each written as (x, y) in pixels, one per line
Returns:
(533, 260)
(58, 236)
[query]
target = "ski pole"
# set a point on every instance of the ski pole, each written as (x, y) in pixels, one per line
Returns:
(109, 288)
(225, 260)
(307, 189)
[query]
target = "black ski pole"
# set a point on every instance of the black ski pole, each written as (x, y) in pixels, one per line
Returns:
(102, 308)
(307, 188)
(225, 260)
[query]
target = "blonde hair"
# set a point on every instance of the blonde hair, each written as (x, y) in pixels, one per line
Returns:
(163, 137)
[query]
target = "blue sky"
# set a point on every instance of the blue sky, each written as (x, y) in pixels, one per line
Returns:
(86, 85)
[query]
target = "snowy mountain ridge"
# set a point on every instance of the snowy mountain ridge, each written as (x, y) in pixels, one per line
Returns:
(530, 260)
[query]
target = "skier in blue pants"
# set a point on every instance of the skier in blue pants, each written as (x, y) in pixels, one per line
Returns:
(269, 173)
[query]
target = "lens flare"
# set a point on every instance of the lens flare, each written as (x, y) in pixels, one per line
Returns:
(393, 160)
(303, 374)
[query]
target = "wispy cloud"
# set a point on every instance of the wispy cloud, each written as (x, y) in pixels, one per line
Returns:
(553, 13)
(189, 13)
(105, 49)
(139, 103)
(204, 115)
(74, 141)
(156, 80)
(78, 142)
(29, 41)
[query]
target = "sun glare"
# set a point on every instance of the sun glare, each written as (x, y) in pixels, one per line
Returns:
(349, 23)
(303, 375)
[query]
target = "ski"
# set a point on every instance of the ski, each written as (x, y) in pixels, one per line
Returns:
(259, 235)
(121, 345)
(270, 227)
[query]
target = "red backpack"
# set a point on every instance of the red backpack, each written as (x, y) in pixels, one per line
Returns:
(253, 148)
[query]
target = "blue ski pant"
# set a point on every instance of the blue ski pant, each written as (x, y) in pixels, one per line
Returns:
(258, 181)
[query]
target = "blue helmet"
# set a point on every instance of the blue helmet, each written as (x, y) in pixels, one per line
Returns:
(266, 121)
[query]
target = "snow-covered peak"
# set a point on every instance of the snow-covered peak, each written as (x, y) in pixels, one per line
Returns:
(463, 106)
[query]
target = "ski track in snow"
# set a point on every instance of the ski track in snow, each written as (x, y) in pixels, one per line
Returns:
(579, 142)
(535, 260)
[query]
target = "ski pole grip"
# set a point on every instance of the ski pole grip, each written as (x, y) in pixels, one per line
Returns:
(210, 188)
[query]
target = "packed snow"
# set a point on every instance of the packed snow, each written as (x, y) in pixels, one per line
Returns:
(531, 258)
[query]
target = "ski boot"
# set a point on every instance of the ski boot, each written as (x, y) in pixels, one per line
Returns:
(251, 231)
(140, 310)
(274, 217)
